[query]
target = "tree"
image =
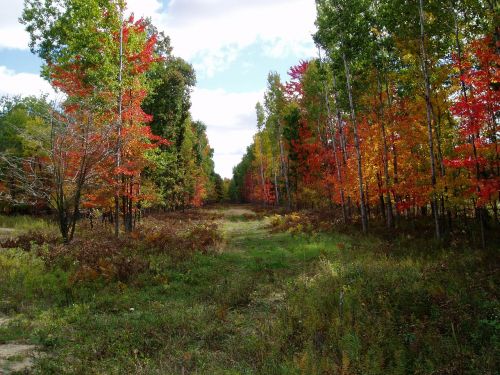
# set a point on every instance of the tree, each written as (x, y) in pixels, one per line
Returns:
(274, 105)
(476, 107)
(343, 31)
(69, 148)
(100, 61)
(399, 119)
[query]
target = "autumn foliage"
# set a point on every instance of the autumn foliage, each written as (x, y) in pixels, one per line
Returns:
(319, 154)
(95, 154)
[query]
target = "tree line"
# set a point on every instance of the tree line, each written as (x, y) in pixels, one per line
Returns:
(122, 139)
(397, 117)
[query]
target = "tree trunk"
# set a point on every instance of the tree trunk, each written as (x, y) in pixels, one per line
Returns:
(337, 162)
(263, 181)
(119, 132)
(284, 171)
(389, 215)
(331, 129)
(429, 119)
(276, 189)
(364, 219)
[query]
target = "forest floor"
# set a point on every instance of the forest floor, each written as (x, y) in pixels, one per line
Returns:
(262, 301)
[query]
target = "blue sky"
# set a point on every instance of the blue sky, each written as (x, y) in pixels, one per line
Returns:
(233, 44)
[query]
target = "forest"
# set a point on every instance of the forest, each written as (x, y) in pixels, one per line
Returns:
(398, 121)
(359, 233)
(123, 138)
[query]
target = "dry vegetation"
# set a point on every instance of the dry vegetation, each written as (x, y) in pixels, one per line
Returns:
(231, 291)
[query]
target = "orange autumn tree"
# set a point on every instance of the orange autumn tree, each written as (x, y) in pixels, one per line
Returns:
(131, 137)
(99, 61)
(476, 156)
(134, 137)
(70, 154)
(320, 150)
(398, 121)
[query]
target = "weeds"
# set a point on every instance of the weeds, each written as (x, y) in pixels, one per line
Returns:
(179, 242)
(300, 223)
(380, 315)
(25, 223)
(165, 301)
(29, 239)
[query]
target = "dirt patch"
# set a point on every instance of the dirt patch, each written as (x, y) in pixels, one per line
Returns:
(4, 320)
(7, 230)
(14, 350)
(21, 366)
(15, 357)
(6, 233)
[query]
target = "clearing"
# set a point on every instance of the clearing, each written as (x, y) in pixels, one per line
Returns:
(261, 303)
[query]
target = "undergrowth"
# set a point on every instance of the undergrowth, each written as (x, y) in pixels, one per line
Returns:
(25, 223)
(373, 314)
(167, 300)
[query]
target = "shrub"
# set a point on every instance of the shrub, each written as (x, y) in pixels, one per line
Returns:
(94, 255)
(298, 223)
(180, 243)
(203, 238)
(25, 241)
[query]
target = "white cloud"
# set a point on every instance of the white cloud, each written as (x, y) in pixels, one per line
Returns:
(212, 32)
(146, 8)
(207, 32)
(231, 123)
(12, 34)
(24, 84)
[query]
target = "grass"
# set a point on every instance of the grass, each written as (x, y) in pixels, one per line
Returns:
(266, 304)
(21, 223)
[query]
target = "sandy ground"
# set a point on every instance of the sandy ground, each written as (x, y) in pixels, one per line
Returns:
(14, 357)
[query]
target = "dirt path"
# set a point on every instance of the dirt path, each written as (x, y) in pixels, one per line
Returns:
(241, 224)
(15, 357)
(5, 233)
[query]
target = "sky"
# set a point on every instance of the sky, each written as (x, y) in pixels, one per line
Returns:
(232, 44)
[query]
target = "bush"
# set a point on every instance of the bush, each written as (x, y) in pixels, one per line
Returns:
(98, 257)
(95, 254)
(27, 240)
(203, 238)
(180, 243)
(300, 223)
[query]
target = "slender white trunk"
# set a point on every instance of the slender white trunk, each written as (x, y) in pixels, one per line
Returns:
(389, 214)
(263, 181)
(333, 133)
(364, 218)
(119, 132)
(429, 118)
(284, 171)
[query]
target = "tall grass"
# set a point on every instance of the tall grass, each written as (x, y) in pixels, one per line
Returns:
(24, 223)
(266, 303)
(373, 313)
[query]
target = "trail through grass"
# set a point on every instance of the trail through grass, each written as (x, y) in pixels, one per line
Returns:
(264, 303)
(205, 315)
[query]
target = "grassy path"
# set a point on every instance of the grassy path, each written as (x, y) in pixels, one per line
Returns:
(210, 315)
(263, 303)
